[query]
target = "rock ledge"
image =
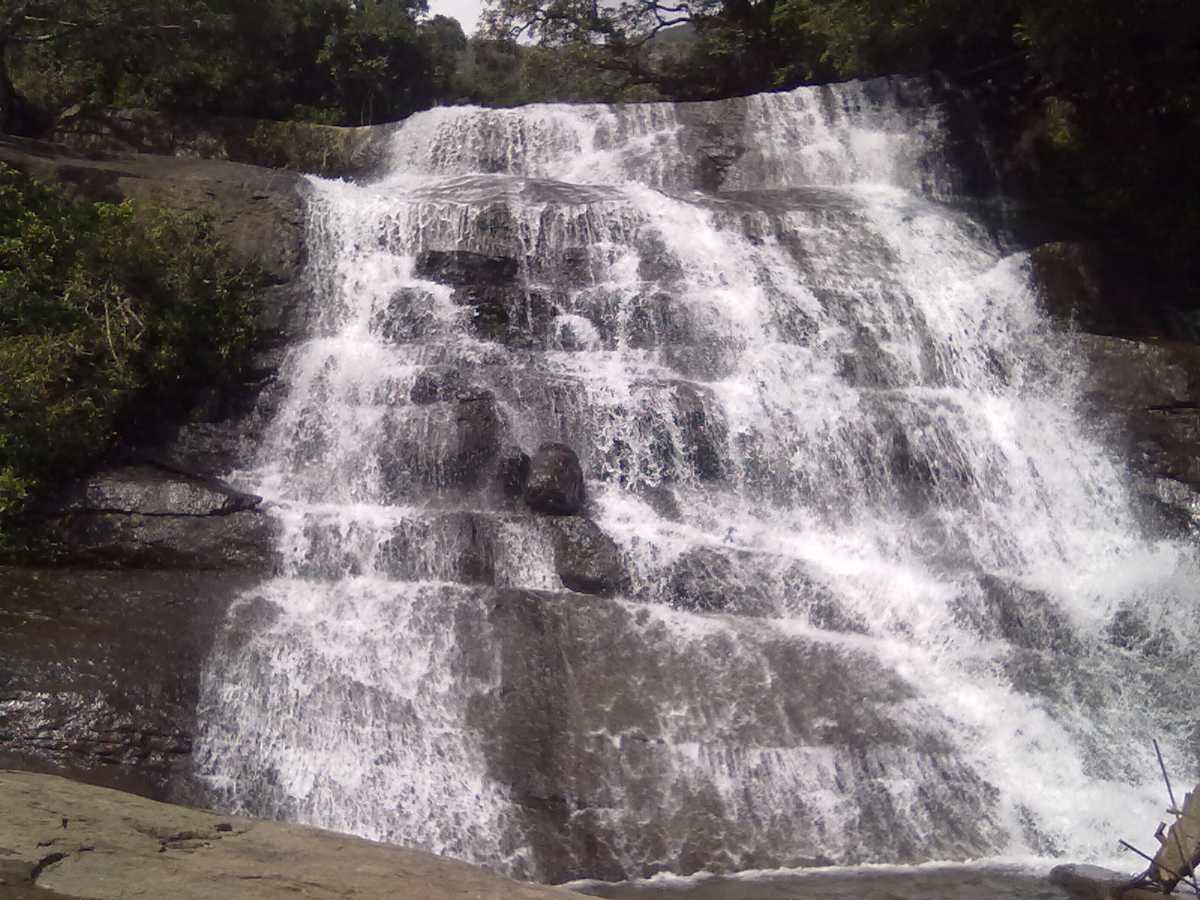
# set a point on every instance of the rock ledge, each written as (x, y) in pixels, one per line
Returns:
(61, 839)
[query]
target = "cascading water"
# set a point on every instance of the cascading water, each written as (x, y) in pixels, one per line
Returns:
(884, 597)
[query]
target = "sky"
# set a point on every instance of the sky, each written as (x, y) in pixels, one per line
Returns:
(466, 11)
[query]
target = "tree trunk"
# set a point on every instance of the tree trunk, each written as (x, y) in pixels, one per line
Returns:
(8, 94)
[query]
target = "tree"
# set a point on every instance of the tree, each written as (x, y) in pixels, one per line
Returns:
(86, 45)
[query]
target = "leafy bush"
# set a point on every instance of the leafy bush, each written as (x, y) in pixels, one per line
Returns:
(108, 318)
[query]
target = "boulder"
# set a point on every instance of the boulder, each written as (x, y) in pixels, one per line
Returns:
(555, 484)
(588, 560)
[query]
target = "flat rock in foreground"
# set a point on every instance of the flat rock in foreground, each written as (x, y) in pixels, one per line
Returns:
(59, 838)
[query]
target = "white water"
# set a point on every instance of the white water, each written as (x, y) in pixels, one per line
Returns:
(890, 443)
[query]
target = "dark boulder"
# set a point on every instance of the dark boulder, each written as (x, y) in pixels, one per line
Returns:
(512, 472)
(588, 560)
(461, 267)
(555, 484)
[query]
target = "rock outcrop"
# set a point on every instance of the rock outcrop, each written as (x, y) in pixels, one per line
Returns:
(59, 839)
(586, 559)
(1143, 382)
(100, 670)
(302, 146)
(149, 517)
(555, 483)
(100, 657)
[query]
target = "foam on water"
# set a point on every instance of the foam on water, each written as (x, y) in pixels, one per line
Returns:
(867, 428)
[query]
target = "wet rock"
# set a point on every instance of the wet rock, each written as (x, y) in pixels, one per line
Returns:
(155, 491)
(462, 267)
(656, 262)
(148, 517)
(1095, 883)
(568, 733)
(702, 581)
(714, 140)
(555, 484)
(588, 560)
(512, 472)
(662, 500)
(101, 671)
(244, 541)
(408, 315)
(437, 384)
(457, 546)
(478, 428)
(1024, 618)
(510, 314)
(1145, 396)
(451, 444)
(704, 434)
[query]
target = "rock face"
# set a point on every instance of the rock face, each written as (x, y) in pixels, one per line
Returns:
(586, 559)
(1143, 388)
(555, 484)
(59, 840)
(99, 672)
(567, 734)
(258, 212)
(148, 517)
(260, 216)
(100, 662)
(303, 146)
(1095, 883)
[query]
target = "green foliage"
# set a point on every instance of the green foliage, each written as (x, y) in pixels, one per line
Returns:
(347, 62)
(108, 319)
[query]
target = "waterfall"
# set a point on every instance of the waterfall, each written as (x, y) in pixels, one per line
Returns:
(883, 596)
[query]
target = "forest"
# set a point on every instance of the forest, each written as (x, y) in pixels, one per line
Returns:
(1101, 96)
